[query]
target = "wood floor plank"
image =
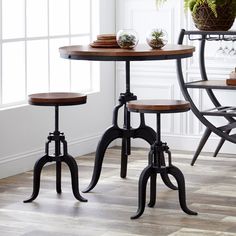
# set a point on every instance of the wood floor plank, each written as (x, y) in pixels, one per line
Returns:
(210, 191)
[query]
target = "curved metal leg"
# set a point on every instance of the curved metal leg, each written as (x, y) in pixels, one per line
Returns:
(203, 140)
(36, 179)
(149, 135)
(70, 161)
(164, 175)
(110, 135)
(222, 140)
(146, 133)
(146, 173)
(178, 175)
(153, 182)
(58, 176)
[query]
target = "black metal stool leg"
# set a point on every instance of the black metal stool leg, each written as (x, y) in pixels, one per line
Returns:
(148, 134)
(153, 182)
(36, 179)
(178, 175)
(164, 175)
(70, 161)
(124, 157)
(58, 176)
(57, 153)
(111, 134)
(146, 173)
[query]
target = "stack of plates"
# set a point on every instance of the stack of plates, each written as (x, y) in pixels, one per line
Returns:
(105, 41)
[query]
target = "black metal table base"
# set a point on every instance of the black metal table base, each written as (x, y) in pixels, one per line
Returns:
(59, 139)
(155, 166)
(143, 131)
(126, 133)
(113, 133)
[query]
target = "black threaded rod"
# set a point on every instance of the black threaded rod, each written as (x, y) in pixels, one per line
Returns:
(158, 137)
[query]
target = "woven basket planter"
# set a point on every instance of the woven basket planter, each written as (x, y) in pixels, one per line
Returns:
(204, 19)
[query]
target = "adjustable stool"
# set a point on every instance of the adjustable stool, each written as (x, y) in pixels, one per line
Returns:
(56, 100)
(156, 165)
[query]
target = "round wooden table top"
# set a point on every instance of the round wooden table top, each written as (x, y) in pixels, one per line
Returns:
(140, 53)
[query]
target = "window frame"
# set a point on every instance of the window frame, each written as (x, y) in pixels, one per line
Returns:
(93, 29)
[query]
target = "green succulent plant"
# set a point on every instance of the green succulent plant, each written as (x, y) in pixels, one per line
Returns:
(157, 34)
(156, 39)
(192, 5)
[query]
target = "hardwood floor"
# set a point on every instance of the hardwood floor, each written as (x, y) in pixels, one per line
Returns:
(211, 191)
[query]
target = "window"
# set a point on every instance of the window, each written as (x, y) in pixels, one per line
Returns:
(31, 33)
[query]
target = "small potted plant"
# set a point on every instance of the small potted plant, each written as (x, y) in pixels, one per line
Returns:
(210, 14)
(157, 38)
(127, 39)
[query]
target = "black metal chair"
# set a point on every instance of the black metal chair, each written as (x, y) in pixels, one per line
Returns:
(56, 100)
(156, 161)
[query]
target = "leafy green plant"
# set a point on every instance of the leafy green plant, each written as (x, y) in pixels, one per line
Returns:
(157, 34)
(157, 38)
(193, 5)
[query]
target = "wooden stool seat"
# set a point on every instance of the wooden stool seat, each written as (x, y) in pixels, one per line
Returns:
(57, 99)
(158, 106)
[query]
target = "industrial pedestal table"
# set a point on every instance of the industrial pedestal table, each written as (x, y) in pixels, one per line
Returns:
(140, 53)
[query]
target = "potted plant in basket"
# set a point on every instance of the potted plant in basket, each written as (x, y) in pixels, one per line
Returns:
(210, 15)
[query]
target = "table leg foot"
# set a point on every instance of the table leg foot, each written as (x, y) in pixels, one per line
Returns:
(111, 134)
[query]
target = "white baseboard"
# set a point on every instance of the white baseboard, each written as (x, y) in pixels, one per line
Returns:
(22, 162)
(188, 143)
(12, 165)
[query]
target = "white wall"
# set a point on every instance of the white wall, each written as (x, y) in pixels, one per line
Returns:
(24, 129)
(159, 80)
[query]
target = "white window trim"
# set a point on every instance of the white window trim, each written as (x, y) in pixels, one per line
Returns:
(94, 68)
